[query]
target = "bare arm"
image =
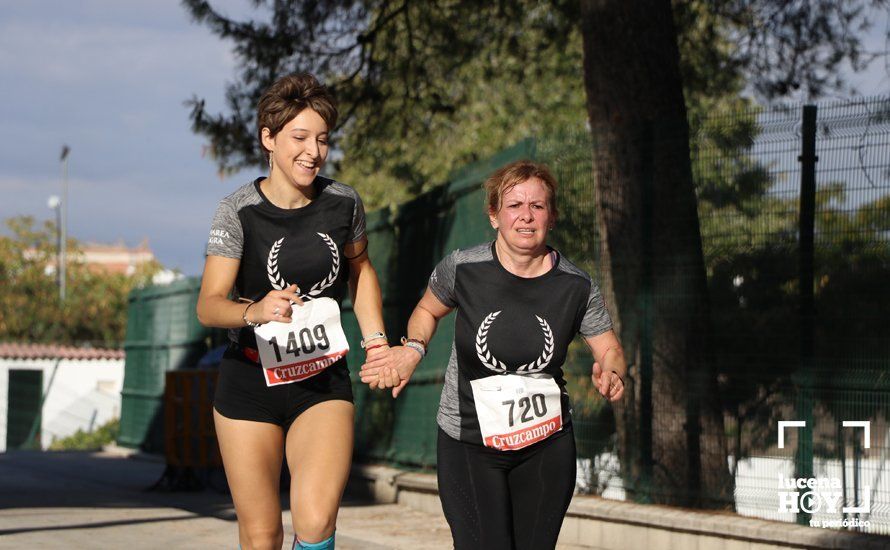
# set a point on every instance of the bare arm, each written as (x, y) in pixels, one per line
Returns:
(394, 369)
(609, 367)
(426, 316)
(364, 287)
(215, 309)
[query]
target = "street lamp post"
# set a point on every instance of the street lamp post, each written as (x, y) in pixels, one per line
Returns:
(55, 203)
(63, 223)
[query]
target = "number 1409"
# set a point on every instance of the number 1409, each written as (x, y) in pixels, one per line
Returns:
(306, 341)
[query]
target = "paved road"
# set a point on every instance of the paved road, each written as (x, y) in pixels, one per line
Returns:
(70, 500)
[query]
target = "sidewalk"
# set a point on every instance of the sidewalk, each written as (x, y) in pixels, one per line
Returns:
(98, 500)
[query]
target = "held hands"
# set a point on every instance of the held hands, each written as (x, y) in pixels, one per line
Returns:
(275, 306)
(608, 383)
(390, 368)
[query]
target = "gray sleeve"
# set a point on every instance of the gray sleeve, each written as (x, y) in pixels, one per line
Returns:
(596, 319)
(358, 220)
(442, 281)
(226, 236)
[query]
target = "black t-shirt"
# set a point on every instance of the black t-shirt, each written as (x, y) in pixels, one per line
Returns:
(507, 323)
(278, 247)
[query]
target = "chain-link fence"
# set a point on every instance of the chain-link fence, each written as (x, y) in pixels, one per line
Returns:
(774, 359)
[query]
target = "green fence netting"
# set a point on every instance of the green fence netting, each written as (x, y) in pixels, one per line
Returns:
(163, 334)
(746, 167)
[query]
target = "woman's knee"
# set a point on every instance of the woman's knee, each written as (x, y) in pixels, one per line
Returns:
(260, 537)
(315, 525)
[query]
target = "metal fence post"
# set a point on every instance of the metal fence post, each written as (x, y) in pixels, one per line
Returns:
(804, 457)
(647, 149)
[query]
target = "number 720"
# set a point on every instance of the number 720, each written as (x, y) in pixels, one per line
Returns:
(534, 404)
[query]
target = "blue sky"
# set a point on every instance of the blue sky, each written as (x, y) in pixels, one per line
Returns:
(109, 78)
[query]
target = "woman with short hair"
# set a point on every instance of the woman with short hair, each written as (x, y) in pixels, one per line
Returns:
(506, 450)
(288, 246)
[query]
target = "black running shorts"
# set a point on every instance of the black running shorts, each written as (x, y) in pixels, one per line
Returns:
(242, 394)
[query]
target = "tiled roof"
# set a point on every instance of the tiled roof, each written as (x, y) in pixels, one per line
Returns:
(11, 350)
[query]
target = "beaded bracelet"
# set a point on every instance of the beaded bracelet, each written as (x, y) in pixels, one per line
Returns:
(415, 344)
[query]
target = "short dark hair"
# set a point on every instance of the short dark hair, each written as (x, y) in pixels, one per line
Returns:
(288, 97)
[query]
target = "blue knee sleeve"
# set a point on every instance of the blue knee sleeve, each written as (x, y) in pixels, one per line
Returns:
(326, 544)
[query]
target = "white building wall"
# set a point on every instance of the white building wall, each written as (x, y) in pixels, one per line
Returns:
(83, 394)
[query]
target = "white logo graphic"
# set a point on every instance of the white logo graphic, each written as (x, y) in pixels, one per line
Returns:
(493, 363)
(822, 494)
(482, 344)
(278, 282)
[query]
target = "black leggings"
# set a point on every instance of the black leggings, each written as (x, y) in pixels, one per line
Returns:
(511, 500)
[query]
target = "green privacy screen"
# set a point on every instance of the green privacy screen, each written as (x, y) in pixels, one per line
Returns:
(163, 334)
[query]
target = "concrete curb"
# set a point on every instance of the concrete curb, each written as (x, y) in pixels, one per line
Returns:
(670, 524)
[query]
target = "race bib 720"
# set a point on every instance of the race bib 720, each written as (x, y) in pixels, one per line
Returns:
(517, 411)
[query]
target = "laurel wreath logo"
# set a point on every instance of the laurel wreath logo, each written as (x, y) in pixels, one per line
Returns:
(318, 287)
(482, 344)
(493, 363)
(278, 282)
(541, 362)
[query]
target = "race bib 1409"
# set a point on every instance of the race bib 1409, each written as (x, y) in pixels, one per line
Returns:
(310, 343)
